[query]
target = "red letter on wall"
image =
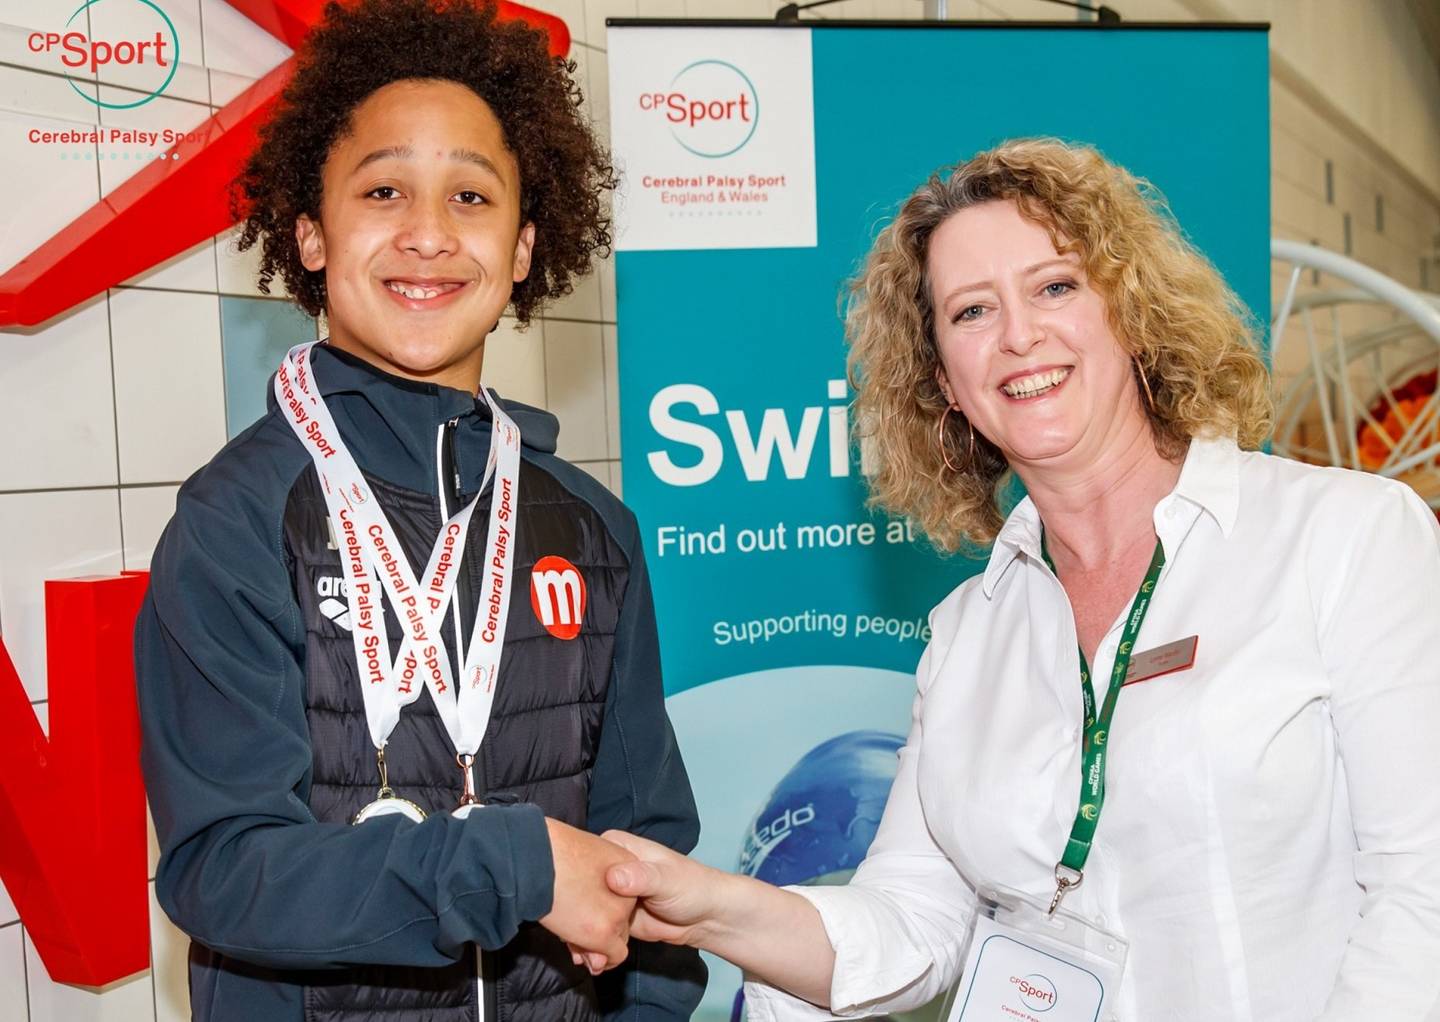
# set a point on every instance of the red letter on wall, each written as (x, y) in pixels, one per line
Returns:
(72, 807)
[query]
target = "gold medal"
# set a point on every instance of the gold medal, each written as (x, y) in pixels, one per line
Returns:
(386, 802)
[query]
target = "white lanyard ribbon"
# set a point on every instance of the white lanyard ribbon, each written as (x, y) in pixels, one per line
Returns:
(370, 554)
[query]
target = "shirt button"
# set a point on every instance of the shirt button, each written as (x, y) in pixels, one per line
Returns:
(1171, 511)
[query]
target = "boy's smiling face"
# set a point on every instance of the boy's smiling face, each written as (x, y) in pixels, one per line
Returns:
(419, 235)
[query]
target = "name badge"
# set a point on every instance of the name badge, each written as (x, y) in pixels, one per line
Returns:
(1167, 659)
(1027, 966)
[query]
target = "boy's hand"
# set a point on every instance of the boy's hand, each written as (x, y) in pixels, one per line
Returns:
(586, 914)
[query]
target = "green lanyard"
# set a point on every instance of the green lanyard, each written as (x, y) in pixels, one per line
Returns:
(1069, 870)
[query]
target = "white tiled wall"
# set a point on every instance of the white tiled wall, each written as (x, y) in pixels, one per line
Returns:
(95, 447)
(159, 338)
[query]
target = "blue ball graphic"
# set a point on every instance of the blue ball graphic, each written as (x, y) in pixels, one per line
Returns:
(820, 819)
(818, 822)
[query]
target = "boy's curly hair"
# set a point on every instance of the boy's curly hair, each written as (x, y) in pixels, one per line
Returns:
(361, 47)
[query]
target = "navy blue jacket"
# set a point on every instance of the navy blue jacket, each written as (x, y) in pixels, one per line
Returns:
(253, 768)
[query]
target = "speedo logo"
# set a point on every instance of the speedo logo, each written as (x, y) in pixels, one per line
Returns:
(333, 599)
(763, 840)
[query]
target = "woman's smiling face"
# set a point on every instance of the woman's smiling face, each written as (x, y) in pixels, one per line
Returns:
(1026, 350)
(419, 235)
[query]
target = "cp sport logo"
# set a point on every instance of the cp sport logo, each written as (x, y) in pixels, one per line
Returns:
(557, 595)
(711, 107)
(1036, 992)
(156, 46)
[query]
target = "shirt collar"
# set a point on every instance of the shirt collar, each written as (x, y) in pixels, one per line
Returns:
(1019, 535)
(1209, 479)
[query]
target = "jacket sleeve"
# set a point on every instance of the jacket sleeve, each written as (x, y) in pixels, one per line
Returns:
(639, 785)
(244, 867)
(1377, 627)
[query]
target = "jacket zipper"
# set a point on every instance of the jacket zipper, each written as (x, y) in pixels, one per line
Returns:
(454, 461)
(488, 1000)
(448, 448)
(484, 992)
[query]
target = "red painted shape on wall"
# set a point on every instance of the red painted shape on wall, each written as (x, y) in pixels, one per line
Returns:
(286, 20)
(289, 20)
(160, 212)
(173, 204)
(72, 807)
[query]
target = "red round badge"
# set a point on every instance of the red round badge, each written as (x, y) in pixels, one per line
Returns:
(557, 594)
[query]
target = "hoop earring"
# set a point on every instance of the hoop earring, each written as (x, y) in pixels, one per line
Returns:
(940, 436)
(1145, 385)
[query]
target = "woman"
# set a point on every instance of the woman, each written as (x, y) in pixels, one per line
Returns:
(1263, 825)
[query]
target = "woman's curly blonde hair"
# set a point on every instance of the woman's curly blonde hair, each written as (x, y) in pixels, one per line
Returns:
(1188, 332)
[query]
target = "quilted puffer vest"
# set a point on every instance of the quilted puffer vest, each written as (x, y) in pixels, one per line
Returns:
(540, 746)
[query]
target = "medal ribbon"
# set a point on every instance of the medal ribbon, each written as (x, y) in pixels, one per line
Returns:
(1097, 725)
(370, 553)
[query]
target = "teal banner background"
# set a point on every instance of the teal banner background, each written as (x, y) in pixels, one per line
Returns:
(1186, 108)
(779, 736)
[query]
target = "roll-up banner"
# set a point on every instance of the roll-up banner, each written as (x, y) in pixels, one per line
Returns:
(758, 162)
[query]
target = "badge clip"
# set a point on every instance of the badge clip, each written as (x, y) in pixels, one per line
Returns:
(1065, 879)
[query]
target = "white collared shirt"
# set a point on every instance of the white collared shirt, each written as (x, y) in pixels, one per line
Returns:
(1270, 840)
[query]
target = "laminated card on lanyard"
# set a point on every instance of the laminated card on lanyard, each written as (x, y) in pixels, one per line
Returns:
(373, 561)
(1026, 958)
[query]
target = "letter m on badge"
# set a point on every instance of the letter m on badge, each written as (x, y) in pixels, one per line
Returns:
(557, 595)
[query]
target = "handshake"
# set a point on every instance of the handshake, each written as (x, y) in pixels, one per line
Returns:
(612, 888)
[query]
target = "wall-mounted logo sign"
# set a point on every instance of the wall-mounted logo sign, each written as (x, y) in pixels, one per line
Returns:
(76, 52)
(118, 237)
(718, 130)
(712, 108)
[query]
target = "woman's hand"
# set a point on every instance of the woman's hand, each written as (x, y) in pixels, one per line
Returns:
(772, 934)
(677, 898)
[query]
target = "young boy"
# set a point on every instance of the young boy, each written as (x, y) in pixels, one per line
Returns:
(362, 809)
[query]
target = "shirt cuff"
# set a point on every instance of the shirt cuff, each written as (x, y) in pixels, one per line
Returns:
(872, 966)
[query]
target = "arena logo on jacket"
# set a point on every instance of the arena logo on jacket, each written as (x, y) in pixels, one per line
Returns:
(557, 594)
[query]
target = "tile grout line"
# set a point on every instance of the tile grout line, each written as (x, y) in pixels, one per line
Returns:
(544, 361)
(25, 971)
(605, 384)
(120, 513)
(204, 64)
(286, 299)
(25, 491)
(161, 289)
(220, 328)
(110, 338)
(97, 83)
(114, 409)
